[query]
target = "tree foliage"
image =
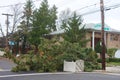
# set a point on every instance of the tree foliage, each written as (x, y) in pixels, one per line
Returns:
(43, 22)
(74, 30)
(111, 52)
(26, 23)
(98, 47)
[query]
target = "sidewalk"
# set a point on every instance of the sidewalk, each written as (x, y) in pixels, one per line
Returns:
(115, 69)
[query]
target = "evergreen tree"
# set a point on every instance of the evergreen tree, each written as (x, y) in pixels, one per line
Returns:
(40, 23)
(43, 22)
(74, 30)
(53, 17)
(26, 22)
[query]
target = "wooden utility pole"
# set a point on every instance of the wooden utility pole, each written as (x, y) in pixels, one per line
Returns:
(102, 34)
(7, 25)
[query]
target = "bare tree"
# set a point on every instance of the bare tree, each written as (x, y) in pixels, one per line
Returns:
(17, 12)
(2, 31)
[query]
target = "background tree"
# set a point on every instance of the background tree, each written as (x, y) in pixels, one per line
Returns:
(26, 22)
(53, 18)
(2, 31)
(15, 20)
(74, 30)
(16, 11)
(43, 22)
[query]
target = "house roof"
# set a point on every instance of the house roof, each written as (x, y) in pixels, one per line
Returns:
(91, 26)
(57, 32)
(97, 27)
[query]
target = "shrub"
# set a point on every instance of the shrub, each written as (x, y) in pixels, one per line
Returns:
(90, 60)
(8, 55)
(109, 60)
(31, 62)
(90, 66)
(98, 47)
(2, 49)
(100, 60)
(52, 54)
(91, 55)
(114, 59)
(111, 52)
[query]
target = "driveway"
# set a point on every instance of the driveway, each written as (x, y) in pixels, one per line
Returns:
(6, 64)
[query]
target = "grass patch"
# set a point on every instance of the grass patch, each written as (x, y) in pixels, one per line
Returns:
(110, 64)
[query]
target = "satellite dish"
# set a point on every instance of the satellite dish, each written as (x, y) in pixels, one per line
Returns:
(117, 54)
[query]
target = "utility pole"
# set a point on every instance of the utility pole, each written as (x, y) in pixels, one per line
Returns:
(7, 25)
(102, 34)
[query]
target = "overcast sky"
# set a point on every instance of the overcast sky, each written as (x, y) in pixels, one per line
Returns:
(112, 17)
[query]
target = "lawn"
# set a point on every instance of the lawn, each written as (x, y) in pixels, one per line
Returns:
(110, 64)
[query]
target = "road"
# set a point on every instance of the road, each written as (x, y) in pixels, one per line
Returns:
(6, 65)
(57, 76)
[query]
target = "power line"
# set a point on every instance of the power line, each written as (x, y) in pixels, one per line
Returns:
(113, 7)
(84, 6)
(91, 12)
(87, 6)
(16, 4)
(10, 5)
(106, 9)
(62, 3)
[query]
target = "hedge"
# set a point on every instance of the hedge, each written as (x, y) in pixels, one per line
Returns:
(109, 60)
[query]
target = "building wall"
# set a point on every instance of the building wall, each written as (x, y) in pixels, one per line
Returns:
(88, 37)
(112, 39)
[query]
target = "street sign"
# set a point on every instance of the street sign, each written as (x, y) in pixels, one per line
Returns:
(12, 43)
(98, 27)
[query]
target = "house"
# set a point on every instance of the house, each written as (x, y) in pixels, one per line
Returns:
(111, 36)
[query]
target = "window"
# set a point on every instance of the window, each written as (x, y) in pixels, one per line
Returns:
(114, 37)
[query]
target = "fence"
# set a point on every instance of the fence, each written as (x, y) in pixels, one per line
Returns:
(77, 66)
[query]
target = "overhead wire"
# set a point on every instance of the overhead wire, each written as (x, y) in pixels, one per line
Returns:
(94, 11)
(106, 9)
(111, 7)
(85, 7)
(16, 4)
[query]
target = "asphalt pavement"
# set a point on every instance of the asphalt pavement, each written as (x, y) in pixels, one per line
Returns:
(6, 64)
(60, 76)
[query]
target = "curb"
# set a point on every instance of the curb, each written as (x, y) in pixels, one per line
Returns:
(107, 72)
(3, 70)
